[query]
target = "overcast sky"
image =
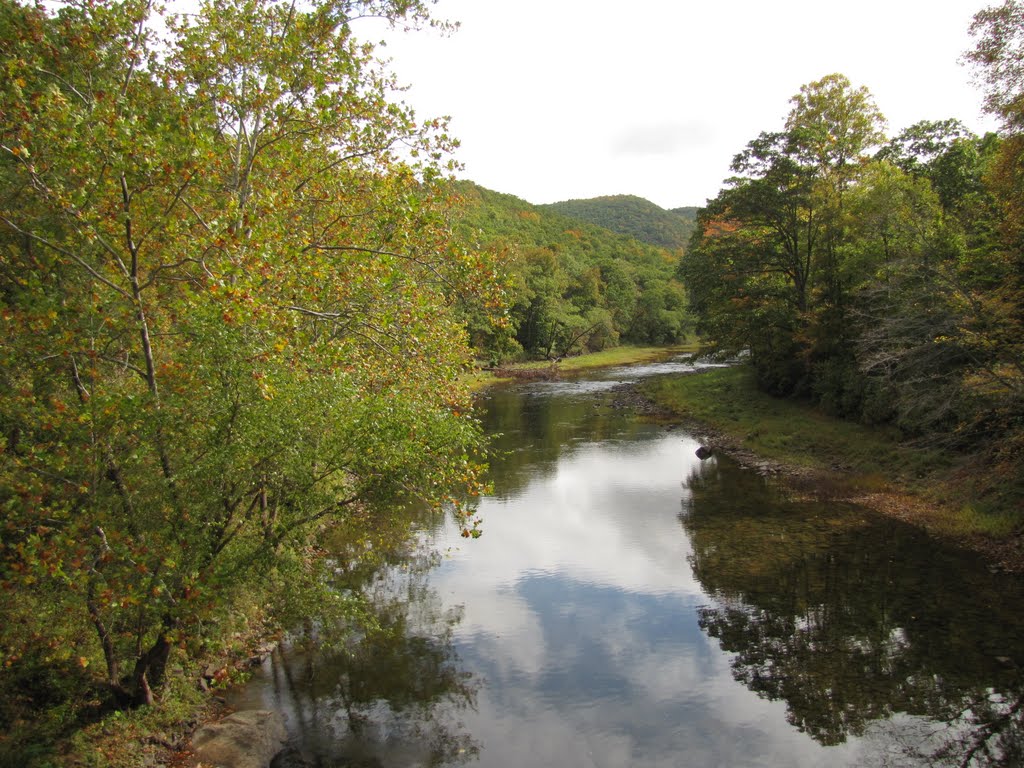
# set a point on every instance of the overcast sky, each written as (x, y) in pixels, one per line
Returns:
(562, 99)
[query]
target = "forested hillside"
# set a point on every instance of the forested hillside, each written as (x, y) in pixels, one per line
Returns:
(634, 217)
(571, 286)
(881, 276)
(689, 213)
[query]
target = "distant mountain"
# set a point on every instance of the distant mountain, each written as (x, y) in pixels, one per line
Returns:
(573, 286)
(491, 217)
(634, 217)
(688, 212)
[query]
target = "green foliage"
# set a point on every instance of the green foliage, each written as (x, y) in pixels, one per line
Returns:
(633, 217)
(954, 162)
(230, 316)
(998, 58)
(797, 432)
(887, 290)
(573, 287)
(688, 212)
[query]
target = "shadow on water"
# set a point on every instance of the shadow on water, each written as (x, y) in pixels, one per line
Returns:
(862, 625)
(384, 689)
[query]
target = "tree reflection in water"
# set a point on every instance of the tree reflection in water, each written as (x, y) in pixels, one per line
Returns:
(862, 625)
(387, 693)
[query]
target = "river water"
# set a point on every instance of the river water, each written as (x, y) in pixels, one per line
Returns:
(632, 605)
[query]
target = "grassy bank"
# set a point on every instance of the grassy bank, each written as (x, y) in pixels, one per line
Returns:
(623, 355)
(930, 486)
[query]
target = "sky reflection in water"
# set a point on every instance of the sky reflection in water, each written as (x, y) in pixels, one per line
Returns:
(580, 615)
(629, 604)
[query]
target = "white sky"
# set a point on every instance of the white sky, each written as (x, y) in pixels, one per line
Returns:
(562, 99)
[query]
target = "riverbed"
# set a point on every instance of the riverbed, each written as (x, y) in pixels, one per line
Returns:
(630, 604)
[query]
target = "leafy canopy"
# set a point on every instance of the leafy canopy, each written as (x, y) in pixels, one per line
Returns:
(228, 290)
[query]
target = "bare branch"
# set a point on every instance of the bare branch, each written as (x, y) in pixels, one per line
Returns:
(315, 313)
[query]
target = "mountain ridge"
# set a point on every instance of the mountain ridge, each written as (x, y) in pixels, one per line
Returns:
(634, 217)
(573, 286)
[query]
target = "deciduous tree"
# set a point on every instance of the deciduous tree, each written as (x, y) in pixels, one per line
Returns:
(772, 239)
(227, 288)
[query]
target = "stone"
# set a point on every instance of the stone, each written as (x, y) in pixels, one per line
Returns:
(247, 739)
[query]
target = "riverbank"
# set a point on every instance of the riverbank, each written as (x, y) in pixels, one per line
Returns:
(815, 453)
(553, 369)
(161, 735)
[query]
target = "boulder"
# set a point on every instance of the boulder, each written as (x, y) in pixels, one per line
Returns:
(247, 739)
(703, 452)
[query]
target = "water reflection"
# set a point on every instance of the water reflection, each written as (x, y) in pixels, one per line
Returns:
(629, 604)
(533, 425)
(581, 615)
(851, 619)
(387, 694)
(532, 428)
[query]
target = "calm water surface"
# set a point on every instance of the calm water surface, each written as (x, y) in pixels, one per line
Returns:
(631, 605)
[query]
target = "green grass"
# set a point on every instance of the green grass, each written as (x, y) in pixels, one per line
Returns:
(993, 523)
(786, 430)
(622, 355)
(873, 459)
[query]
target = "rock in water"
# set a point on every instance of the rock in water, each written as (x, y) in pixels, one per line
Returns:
(703, 452)
(247, 739)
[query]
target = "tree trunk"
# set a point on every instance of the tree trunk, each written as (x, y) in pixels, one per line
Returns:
(149, 672)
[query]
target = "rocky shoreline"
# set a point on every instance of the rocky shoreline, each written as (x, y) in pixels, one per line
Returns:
(247, 739)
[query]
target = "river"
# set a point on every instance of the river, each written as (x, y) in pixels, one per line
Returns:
(632, 605)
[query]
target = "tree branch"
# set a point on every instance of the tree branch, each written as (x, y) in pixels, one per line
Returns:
(65, 252)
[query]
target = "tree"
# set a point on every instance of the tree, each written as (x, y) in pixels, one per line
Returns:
(898, 255)
(832, 125)
(229, 314)
(917, 147)
(995, 277)
(953, 159)
(747, 270)
(772, 239)
(998, 60)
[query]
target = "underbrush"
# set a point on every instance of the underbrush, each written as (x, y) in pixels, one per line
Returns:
(131, 738)
(79, 729)
(56, 711)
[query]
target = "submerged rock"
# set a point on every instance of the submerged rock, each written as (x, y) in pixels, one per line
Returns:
(247, 739)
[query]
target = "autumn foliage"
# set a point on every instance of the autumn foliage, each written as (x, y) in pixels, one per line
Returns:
(229, 304)
(881, 277)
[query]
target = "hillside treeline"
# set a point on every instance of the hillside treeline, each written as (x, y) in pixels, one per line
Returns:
(881, 277)
(570, 286)
(634, 217)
